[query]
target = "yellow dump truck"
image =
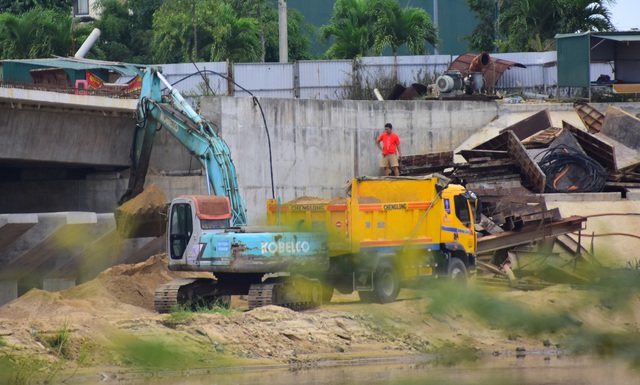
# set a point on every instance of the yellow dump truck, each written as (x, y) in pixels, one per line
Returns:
(388, 233)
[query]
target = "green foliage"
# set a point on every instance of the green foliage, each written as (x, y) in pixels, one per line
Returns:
(59, 342)
(395, 27)
(531, 25)
(126, 32)
(349, 27)
(3, 341)
(18, 7)
(484, 34)
(361, 27)
(38, 33)
(184, 314)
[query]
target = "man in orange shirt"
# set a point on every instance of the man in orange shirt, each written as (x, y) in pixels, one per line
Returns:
(389, 143)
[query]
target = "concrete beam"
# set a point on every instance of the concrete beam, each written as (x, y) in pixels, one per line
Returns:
(13, 226)
(55, 234)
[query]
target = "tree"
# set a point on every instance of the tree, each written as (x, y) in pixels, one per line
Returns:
(531, 25)
(18, 7)
(586, 15)
(221, 34)
(126, 33)
(37, 33)
(483, 36)
(395, 27)
(350, 28)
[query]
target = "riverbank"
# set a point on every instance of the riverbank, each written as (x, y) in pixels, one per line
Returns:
(107, 327)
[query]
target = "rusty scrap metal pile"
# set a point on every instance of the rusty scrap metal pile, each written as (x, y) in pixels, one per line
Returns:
(510, 172)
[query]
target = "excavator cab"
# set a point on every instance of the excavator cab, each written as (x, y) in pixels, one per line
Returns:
(198, 212)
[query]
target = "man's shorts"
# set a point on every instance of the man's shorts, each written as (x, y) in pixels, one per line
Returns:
(389, 160)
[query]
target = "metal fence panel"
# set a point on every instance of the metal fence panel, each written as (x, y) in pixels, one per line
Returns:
(186, 79)
(323, 79)
(273, 80)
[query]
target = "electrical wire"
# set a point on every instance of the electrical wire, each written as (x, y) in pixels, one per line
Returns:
(255, 101)
(563, 163)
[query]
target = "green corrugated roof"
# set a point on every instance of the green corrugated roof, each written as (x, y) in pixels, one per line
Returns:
(125, 69)
(617, 36)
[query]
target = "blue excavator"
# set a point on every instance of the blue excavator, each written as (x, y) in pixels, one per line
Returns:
(210, 233)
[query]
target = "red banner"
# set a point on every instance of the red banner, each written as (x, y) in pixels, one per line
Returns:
(134, 84)
(93, 81)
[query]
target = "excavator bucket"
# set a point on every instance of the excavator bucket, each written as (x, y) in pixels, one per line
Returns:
(143, 216)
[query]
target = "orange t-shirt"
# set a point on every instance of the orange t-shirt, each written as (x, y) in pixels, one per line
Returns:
(389, 142)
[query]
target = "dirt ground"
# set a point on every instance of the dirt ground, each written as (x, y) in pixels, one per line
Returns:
(112, 328)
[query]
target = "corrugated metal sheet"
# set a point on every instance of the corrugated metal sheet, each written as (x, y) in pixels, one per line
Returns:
(186, 79)
(273, 80)
(411, 69)
(323, 79)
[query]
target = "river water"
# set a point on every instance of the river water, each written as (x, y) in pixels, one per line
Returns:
(529, 370)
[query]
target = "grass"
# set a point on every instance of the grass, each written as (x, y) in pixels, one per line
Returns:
(184, 314)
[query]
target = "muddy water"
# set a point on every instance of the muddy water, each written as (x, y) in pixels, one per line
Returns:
(530, 370)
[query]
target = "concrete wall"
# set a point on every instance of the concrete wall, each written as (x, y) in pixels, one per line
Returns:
(319, 145)
(316, 147)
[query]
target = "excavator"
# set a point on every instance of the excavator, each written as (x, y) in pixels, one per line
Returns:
(270, 265)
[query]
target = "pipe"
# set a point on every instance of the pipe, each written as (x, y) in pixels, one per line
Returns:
(86, 46)
(479, 62)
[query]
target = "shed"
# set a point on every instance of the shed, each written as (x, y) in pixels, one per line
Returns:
(63, 71)
(576, 52)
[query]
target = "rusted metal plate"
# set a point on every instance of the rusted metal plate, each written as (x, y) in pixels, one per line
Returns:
(623, 127)
(535, 123)
(592, 118)
(532, 173)
(497, 143)
(468, 155)
(595, 148)
(526, 235)
(491, 72)
(425, 163)
(542, 138)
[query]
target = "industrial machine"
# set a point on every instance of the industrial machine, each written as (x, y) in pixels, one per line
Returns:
(469, 82)
(209, 233)
(389, 233)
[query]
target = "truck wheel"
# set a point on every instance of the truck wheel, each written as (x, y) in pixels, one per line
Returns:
(386, 283)
(457, 270)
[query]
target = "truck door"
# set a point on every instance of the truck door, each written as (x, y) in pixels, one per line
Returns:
(180, 229)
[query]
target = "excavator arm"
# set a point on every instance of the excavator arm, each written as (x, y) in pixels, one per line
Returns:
(195, 133)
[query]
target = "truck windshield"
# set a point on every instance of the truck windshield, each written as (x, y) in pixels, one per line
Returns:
(467, 208)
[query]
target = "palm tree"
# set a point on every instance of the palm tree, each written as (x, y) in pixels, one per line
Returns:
(350, 27)
(531, 25)
(587, 15)
(395, 27)
(37, 33)
(231, 37)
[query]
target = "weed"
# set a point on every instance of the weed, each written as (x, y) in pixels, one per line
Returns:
(59, 342)
(184, 314)
(3, 341)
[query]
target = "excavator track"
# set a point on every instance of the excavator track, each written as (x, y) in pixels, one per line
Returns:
(296, 293)
(184, 291)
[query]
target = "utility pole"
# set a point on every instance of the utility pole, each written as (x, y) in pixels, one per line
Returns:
(282, 29)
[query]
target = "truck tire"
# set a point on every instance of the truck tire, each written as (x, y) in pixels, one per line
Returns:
(457, 270)
(386, 284)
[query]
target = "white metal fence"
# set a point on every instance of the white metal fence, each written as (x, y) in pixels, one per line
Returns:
(330, 79)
